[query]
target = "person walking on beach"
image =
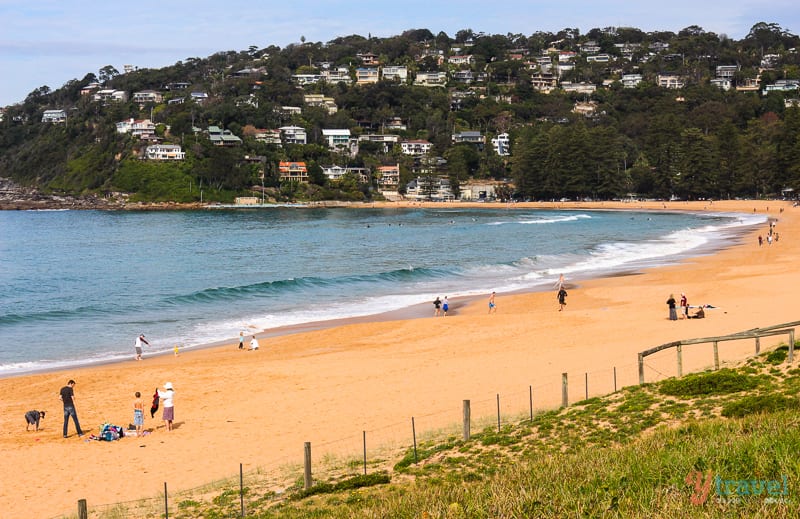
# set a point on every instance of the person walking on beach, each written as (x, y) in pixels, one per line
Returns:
(138, 413)
(562, 298)
(684, 306)
(241, 340)
(137, 345)
(673, 315)
(67, 395)
(445, 306)
(167, 398)
(437, 306)
(492, 304)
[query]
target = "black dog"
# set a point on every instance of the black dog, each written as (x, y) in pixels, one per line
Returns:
(32, 418)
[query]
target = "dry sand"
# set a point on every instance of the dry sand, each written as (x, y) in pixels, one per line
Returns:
(327, 386)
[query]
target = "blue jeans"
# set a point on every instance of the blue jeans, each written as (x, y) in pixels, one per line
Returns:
(70, 411)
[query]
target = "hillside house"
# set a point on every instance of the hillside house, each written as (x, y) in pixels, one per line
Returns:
(395, 73)
(164, 152)
(367, 75)
(502, 145)
(54, 116)
(631, 80)
(387, 140)
(293, 135)
(268, 136)
(147, 96)
(431, 79)
(672, 81)
(389, 176)
(293, 171)
(469, 137)
(220, 137)
(335, 173)
(416, 147)
(337, 139)
(142, 128)
(111, 95)
(320, 100)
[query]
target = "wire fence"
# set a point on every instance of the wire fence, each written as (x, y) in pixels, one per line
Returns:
(378, 448)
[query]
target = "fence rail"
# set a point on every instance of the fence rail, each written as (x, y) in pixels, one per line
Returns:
(754, 333)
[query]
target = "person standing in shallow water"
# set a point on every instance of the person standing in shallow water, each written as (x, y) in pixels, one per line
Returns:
(673, 314)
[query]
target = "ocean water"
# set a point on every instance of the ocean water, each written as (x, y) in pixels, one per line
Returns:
(77, 287)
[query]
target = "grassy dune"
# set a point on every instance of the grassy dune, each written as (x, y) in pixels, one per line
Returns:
(715, 444)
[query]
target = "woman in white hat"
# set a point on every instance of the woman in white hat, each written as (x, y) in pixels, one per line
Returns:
(167, 400)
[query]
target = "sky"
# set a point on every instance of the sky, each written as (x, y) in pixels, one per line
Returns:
(50, 42)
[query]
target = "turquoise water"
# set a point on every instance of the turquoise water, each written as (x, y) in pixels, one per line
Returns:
(76, 287)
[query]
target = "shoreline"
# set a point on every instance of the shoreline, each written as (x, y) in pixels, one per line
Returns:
(724, 238)
(326, 385)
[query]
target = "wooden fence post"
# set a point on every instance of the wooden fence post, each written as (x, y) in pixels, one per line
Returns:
(641, 369)
(791, 346)
(564, 390)
(680, 359)
(466, 420)
(414, 434)
(586, 384)
(758, 344)
(307, 482)
(498, 412)
(530, 396)
(615, 379)
(83, 511)
(241, 487)
(365, 453)
(166, 502)
(716, 355)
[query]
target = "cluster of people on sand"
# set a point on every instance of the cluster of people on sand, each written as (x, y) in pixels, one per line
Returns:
(772, 234)
(164, 398)
(253, 342)
(440, 307)
(683, 304)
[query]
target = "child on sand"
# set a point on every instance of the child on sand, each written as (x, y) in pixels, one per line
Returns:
(138, 413)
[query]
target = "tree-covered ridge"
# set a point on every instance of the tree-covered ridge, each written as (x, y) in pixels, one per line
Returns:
(587, 136)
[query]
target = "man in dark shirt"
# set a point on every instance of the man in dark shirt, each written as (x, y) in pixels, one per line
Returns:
(67, 396)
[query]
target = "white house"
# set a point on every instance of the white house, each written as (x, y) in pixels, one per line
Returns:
(672, 81)
(142, 128)
(631, 80)
(416, 147)
(164, 152)
(432, 79)
(502, 145)
(367, 75)
(395, 73)
(147, 96)
(54, 116)
(337, 139)
(293, 134)
(108, 94)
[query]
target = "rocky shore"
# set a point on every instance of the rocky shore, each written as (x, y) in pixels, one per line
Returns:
(14, 197)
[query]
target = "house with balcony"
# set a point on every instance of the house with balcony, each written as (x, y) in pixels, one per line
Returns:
(369, 59)
(589, 47)
(585, 108)
(395, 124)
(223, 138)
(293, 135)
(469, 137)
(367, 75)
(578, 88)
(337, 139)
(336, 173)
(502, 145)
(90, 88)
(147, 96)
(292, 171)
(395, 73)
(268, 136)
(417, 147)
(339, 75)
(431, 79)
(598, 58)
(749, 85)
(427, 187)
(54, 116)
(110, 95)
(388, 177)
(164, 152)
(544, 83)
(142, 128)
(386, 140)
(671, 81)
(462, 60)
(631, 80)
(322, 101)
(306, 79)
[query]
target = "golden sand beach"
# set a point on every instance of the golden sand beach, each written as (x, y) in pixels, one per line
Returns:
(328, 385)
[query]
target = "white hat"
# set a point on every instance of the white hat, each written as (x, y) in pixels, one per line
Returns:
(168, 385)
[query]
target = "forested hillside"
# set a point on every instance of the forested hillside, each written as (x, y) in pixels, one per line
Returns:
(601, 115)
